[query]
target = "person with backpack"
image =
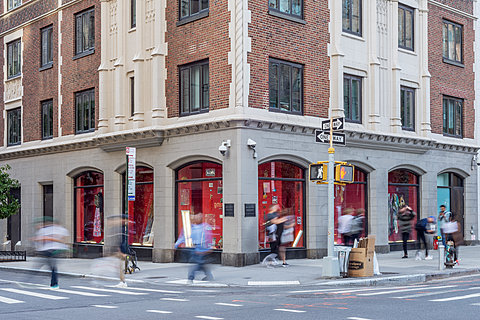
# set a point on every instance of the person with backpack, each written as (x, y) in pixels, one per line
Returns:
(444, 216)
(424, 226)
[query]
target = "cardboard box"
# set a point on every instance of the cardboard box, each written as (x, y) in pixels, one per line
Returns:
(360, 260)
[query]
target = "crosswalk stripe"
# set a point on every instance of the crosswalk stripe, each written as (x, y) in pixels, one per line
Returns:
(159, 311)
(34, 294)
(468, 296)
(290, 310)
(150, 290)
(229, 304)
(110, 290)
(209, 318)
(378, 289)
(80, 293)
(175, 299)
(357, 318)
(475, 304)
(10, 301)
(434, 293)
(402, 290)
(103, 306)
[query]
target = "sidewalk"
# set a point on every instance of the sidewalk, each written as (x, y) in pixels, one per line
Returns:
(300, 272)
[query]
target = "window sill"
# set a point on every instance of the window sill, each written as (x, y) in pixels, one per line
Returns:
(353, 121)
(452, 136)
(13, 144)
(133, 29)
(407, 51)
(408, 129)
(14, 77)
(195, 17)
(454, 63)
(285, 16)
(46, 67)
(47, 138)
(286, 112)
(86, 131)
(194, 113)
(83, 54)
(353, 36)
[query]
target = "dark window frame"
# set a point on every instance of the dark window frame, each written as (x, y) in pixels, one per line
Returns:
(349, 29)
(132, 96)
(402, 38)
(276, 8)
(47, 111)
(10, 58)
(12, 4)
(81, 48)
(133, 14)
(291, 65)
(446, 119)
(204, 88)
(349, 116)
(46, 47)
(403, 112)
(80, 111)
(202, 10)
(14, 126)
(447, 58)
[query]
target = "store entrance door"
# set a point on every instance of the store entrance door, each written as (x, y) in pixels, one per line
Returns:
(14, 225)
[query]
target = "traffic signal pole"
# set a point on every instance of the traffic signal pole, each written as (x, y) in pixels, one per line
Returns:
(331, 267)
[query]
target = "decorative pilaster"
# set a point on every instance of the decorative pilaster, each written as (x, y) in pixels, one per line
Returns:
(336, 60)
(424, 93)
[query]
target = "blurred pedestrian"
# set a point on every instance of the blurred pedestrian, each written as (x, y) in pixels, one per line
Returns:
(201, 236)
(444, 216)
(405, 217)
(50, 241)
(285, 230)
(357, 225)
(272, 218)
(423, 227)
(345, 225)
(117, 248)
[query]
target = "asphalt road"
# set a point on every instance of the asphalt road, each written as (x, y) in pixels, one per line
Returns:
(27, 296)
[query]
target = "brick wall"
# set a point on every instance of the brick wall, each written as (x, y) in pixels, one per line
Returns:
(206, 38)
(448, 79)
(294, 42)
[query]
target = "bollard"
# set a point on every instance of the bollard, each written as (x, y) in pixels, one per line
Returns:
(441, 256)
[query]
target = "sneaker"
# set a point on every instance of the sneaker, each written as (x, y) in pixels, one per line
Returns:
(428, 258)
(55, 287)
(121, 284)
(405, 257)
(285, 264)
(417, 256)
(207, 278)
(189, 282)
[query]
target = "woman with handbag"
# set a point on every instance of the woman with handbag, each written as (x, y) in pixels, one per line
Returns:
(405, 216)
(285, 230)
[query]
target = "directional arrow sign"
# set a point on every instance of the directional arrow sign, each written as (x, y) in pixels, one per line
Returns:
(324, 137)
(337, 124)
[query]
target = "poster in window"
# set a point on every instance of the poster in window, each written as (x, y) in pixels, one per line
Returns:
(210, 172)
(185, 197)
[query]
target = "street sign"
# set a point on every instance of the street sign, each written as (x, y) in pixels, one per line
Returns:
(324, 137)
(337, 124)
(131, 157)
(318, 172)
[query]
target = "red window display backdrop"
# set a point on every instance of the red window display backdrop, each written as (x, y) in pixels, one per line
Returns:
(141, 210)
(281, 183)
(402, 189)
(199, 189)
(353, 195)
(88, 188)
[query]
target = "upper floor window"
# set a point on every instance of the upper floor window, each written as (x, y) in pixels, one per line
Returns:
(12, 4)
(452, 116)
(14, 59)
(132, 96)
(290, 7)
(352, 16)
(85, 111)
(405, 27)
(407, 108)
(285, 86)
(194, 88)
(47, 47)
(352, 98)
(133, 13)
(85, 32)
(47, 119)
(192, 7)
(452, 41)
(14, 126)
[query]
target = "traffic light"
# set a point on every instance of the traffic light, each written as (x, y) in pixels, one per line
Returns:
(344, 173)
(318, 172)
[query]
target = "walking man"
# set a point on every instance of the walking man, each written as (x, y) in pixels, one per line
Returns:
(405, 216)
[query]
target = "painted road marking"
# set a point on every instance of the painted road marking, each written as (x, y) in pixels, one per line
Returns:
(402, 290)
(207, 317)
(10, 301)
(110, 290)
(204, 290)
(159, 311)
(336, 290)
(475, 304)
(434, 293)
(308, 291)
(34, 294)
(290, 310)
(229, 304)
(468, 296)
(103, 306)
(150, 290)
(357, 318)
(80, 293)
(175, 299)
(272, 283)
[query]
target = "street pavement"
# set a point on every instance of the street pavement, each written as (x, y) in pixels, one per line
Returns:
(301, 272)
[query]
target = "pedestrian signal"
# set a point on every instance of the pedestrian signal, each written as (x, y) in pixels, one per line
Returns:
(344, 173)
(318, 172)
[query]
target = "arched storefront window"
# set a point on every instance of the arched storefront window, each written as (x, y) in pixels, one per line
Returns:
(283, 183)
(402, 189)
(88, 187)
(450, 193)
(199, 189)
(353, 196)
(140, 210)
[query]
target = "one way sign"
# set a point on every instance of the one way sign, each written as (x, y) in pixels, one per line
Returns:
(337, 124)
(324, 137)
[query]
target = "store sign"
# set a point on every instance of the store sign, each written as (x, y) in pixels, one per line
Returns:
(131, 159)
